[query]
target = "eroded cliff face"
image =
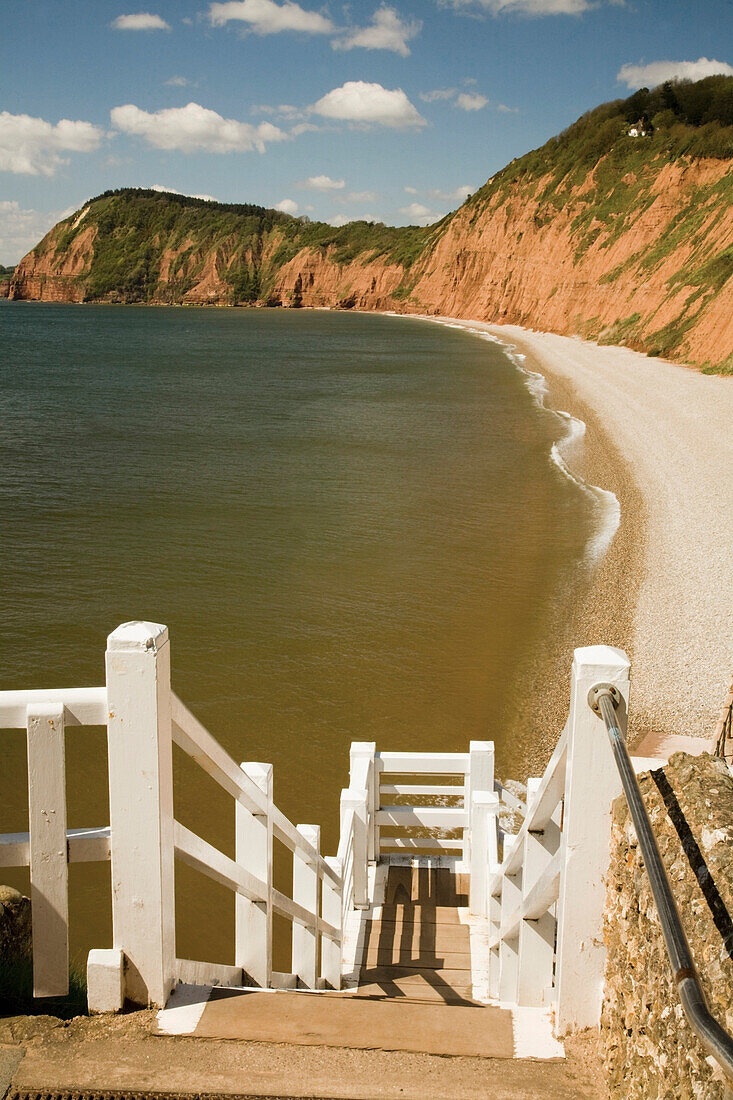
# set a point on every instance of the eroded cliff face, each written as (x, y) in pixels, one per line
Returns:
(644, 260)
(53, 272)
(520, 261)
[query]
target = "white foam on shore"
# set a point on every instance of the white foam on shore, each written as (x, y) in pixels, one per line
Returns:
(605, 502)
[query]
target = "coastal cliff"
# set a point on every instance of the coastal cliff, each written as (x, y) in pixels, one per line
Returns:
(613, 237)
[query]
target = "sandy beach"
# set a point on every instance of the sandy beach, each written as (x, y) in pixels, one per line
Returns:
(658, 435)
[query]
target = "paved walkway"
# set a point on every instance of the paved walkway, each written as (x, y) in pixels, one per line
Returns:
(387, 1038)
(414, 994)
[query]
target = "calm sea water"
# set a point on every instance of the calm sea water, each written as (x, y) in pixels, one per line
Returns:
(350, 524)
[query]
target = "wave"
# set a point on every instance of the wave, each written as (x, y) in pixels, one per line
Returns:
(606, 503)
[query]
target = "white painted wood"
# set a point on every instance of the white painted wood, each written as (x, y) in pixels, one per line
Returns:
(434, 789)
(141, 807)
(83, 846)
(481, 766)
(297, 913)
(480, 778)
(421, 843)
(281, 980)
(331, 912)
(253, 848)
(425, 817)
(15, 849)
(305, 893)
(552, 787)
(511, 897)
(205, 973)
(550, 793)
(196, 741)
(536, 930)
(88, 845)
(286, 833)
(209, 861)
(48, 859)
(591, 784)
(424, 763)
(82, 706)
(353, 815)
(363, 776)
(105, 980)
(484, 808)
(510, 800)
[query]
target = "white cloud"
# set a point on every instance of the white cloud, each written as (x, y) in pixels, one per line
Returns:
(524, 7)
(172, 191)
(178, 82)
(647, 76)
(467, 101)
(32, 146)
(358, 101)
(460, 194)
(419, 214)
(471, 101)
(191, 128)
(322, 183)
(142, 21)
(21, 229)
(386, 32)
(340, 220)
(267, 17)
(362, 196)
(415, 210)
(504, 110)
(437, 94)
(288, 206)
(411, 190)
(283, 110)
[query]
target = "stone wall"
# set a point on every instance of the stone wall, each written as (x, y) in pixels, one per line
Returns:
(650, 1051)
(15, 925)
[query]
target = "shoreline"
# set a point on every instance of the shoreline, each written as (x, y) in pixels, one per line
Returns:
(657, 436)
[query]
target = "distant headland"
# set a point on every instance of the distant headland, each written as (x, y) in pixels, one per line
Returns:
(617, 230)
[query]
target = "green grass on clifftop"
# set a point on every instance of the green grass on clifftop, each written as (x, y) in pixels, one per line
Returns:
(134, 228)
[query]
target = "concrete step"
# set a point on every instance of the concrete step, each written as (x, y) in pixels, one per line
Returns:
(120, 1058)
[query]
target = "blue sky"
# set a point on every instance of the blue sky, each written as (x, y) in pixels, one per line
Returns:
(387, 111)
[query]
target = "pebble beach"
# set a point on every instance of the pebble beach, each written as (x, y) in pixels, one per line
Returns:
(658, 435)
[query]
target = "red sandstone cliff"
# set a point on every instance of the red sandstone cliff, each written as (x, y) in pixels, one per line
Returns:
(643, 260)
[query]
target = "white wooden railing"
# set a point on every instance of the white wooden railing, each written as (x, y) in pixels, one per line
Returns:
(541, 889)
(144, 718)
(545, 899)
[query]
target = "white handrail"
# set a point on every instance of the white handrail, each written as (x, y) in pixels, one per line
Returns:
(545, 900)
(144, 718)
(83, 706)
(196, 741)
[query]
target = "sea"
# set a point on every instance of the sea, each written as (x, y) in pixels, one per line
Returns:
(356, 527)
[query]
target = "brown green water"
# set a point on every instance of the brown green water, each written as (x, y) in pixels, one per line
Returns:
(351, 525)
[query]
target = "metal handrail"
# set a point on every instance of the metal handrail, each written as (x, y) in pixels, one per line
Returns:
(603, 699)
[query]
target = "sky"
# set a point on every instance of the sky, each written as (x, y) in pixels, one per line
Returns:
(389, 111)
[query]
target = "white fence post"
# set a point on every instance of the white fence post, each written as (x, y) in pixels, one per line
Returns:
(331, 911)
(253, 851)
(141, 808)
(363, 776)
(48, 859)
(354, 817)
(480, 778)
(484, 809)
(305, 893)
(591, 784)
(536, 937)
